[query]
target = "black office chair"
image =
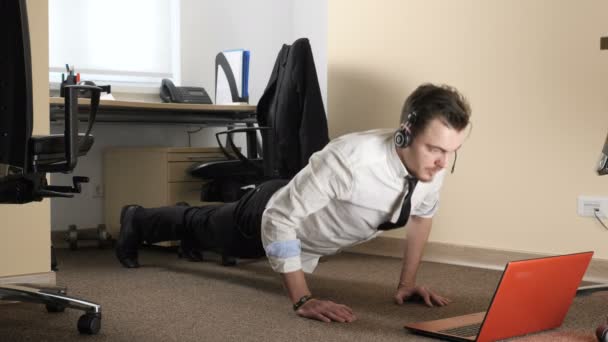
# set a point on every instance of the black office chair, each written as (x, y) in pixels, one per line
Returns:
(292, 123)
(293, 126)
(28, 158)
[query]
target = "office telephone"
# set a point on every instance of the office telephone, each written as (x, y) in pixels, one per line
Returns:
(170, 93)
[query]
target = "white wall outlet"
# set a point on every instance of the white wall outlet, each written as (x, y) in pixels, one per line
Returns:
(588, 204)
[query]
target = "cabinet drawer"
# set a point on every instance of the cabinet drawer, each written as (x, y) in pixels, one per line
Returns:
(194, 156)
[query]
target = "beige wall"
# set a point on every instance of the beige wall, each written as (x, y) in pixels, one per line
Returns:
(538, 85)
(25, 233)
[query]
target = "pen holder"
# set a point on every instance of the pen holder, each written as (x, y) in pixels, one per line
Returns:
(70, 80)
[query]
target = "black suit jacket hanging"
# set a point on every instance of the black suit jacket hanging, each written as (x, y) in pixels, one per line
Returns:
(293, 106)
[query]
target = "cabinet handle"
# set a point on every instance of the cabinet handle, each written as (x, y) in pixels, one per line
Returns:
(198, 158)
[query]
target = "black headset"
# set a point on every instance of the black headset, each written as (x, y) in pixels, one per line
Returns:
(403, 136)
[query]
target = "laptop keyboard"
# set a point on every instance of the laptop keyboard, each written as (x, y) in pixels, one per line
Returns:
(464, 331)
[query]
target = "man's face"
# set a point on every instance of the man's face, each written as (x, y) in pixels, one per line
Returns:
(431, 150)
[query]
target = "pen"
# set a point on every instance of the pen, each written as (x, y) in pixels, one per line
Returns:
(67, 67)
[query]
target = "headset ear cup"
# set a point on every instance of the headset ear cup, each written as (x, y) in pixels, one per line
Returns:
(408, 139)
(399, 138)
(402, 138)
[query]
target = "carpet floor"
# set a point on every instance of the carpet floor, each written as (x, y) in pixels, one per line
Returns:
(170, 299)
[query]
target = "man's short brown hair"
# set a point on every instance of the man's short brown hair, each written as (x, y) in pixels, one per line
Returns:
(431, 101)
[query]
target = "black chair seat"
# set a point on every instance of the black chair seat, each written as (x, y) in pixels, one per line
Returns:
(227, 169)
(46, 147)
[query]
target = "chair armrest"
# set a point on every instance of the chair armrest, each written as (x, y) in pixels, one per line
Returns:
(71, 121)
(231, 143)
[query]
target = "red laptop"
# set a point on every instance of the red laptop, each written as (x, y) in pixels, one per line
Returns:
(533, 295)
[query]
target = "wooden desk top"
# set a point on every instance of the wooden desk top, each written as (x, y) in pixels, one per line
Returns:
(167, 113)
(139, 105)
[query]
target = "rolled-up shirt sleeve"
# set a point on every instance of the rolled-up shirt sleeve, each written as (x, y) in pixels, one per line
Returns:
(327, 176)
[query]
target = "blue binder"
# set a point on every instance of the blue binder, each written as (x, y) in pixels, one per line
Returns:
(232, 76)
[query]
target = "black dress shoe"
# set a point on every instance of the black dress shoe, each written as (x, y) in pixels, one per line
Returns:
(129, 238)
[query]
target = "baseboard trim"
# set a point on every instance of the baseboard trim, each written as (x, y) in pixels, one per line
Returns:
(468, 256)
(45, 278)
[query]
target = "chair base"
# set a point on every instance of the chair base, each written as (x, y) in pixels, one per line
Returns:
(56, 300)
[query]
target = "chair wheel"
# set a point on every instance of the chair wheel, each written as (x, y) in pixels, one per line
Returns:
(54, 307)
(89, 324)
(104, 239)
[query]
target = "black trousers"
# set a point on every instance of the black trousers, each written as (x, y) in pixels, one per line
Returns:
(233, 228)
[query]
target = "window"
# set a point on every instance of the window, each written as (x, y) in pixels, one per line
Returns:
(132, 43)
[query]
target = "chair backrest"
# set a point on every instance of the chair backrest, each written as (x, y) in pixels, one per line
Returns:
(25, 180)
(293, 107)
(15, 85)
(292, 122)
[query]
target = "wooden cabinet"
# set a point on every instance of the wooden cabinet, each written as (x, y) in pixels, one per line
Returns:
(150, 177)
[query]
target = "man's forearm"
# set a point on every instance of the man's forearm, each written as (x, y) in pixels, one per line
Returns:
(296, 286)
(418, 231)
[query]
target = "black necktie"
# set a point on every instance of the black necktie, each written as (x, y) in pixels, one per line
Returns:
(405, 209)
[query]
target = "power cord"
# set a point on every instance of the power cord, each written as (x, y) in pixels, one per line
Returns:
(195, 131)
(595, 211)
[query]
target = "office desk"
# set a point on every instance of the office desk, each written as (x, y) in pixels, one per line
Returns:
(164, 113)
(112, 111)
(163, 167)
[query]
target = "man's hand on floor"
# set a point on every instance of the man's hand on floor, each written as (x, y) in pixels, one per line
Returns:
(326, 311)
(430, 297)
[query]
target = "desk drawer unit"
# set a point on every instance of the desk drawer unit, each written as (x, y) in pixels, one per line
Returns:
(151, 177)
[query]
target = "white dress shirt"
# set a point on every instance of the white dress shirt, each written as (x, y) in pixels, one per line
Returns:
(348, 189)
